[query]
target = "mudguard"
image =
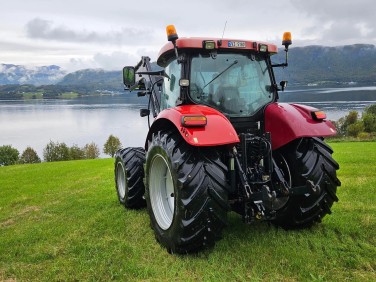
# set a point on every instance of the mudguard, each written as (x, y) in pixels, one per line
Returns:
(217, 131)
(287, 122)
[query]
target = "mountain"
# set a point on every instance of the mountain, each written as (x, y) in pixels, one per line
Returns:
(95, 79)
(328, 65)
(309, 65)
(18, 74)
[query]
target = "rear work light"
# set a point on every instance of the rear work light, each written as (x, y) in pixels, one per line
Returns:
(193, 121)
(320, 115)
(263, 48)
(208, 44)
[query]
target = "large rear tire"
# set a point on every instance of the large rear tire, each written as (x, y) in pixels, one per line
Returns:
(186, 193)
(129, 175)
(308, 159)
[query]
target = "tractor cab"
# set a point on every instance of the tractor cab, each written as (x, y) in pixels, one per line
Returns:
(234, 77)
(236, 84)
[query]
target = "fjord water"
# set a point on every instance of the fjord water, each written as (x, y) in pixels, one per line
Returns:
(92, 119)
(78, 121)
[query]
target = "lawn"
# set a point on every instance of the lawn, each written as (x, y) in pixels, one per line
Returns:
(62, 221)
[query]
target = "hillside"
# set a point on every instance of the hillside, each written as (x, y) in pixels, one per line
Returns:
(307, 65)
(328, 65)
(351, 65)
(62, 222)
(95, 79)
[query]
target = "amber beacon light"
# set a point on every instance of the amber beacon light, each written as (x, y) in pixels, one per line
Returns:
(286, 40)
(171, 33)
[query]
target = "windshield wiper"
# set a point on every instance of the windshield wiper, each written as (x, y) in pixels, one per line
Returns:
(218, 75)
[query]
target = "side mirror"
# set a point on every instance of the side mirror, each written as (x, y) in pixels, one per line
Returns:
(129, 76)
(283, 84)
(144, 112)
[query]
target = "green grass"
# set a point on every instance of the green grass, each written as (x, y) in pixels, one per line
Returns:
(39, 95)
(31, 95)
(68, 95)
(62, 221)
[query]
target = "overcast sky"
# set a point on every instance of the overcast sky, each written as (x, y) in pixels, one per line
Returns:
(109, 34)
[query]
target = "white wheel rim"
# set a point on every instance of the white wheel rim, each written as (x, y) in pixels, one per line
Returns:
(161, 192)
(120, 177)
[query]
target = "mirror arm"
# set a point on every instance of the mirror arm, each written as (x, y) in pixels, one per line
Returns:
(285, 64)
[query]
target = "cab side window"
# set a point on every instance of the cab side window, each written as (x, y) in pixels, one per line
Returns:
(171, 88)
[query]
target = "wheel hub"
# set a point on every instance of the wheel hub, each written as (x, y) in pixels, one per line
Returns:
(121, 180)
(161, 191)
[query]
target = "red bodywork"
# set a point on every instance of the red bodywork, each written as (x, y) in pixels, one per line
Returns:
(287, 122)
(197, 43)
(217, 131)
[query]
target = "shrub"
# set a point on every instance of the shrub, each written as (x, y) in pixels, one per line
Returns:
(112, 145)
(29, 156)
(369, 121)
(351, 118)
(76, 153)
(91, 151)
(371, 109)
(8, 155)
(339, 125)
(54, 152)
(354, 129)
(364, 135)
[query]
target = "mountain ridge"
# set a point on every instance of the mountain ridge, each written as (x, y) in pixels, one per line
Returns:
(314, 64)
(20, 74)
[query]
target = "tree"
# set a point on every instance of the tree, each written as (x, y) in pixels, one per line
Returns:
(56, 152)
(355, 128)
(369, 121)
(349, 125)
(371, 109)
(351, 118)
(339, 125)
(76, 153)
(29, 156)
(112, 145)
(8, 155)
(91, 151)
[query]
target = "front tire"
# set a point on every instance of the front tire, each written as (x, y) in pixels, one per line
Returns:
(186, 193)
(308, 159)
(129, 174)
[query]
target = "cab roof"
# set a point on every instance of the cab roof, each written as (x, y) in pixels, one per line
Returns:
(219, 44)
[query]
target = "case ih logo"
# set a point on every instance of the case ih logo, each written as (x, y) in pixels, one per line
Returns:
(236, 44)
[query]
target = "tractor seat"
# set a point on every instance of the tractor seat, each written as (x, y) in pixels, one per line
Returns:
(229, 99)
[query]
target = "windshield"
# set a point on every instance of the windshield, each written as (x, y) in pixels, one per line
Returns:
(236, 84)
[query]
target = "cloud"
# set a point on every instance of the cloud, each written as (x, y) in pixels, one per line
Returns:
(38, 28)
(112, 61)
(339, 22)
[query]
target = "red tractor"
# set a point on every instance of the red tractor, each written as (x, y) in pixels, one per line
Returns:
(221, 142)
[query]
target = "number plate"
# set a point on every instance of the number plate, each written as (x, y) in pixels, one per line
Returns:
(236, 44)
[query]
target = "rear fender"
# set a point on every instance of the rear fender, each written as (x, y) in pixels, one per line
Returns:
(287, 122)
(217, 131)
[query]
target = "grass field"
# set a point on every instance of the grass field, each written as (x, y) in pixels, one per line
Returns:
(62, 221)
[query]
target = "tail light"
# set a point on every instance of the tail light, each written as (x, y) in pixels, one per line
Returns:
(193, 121)
(320, 115)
